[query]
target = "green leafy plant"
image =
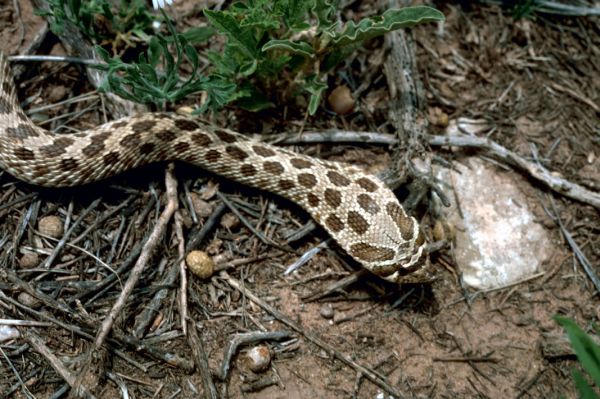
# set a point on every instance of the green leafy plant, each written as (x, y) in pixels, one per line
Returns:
(143, 82)
(103, 20)
(273, 48)
(588, 354)
(290, 45)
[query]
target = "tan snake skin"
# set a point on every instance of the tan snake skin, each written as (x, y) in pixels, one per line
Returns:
(355, 208)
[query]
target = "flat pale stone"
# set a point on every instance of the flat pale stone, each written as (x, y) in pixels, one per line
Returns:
(497, 241)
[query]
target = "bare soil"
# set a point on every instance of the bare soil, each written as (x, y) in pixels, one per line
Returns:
(536, 81)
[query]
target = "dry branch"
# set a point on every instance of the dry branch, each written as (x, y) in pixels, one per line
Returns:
(147, 250)
(537, 171)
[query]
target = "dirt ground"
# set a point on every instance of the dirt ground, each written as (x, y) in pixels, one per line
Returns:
(536, 81)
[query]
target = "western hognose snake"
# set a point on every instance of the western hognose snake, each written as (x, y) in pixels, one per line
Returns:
(355, 208)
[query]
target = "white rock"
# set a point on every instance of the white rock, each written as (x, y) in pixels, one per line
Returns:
(497, 241)
(8, 332)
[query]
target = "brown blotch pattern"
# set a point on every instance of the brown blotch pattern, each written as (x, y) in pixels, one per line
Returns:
(212, 156)
(307, 180)
(22, 131)
(21, 115)
(69, 164)
(97, 144)
(370, 253)
(263, 151)
(111, 158)
(338, 179)
(334, 223)
(166, 135)
(225, 136)
(181, 147)
(247, 170)
(357, 223)
(142, 126)
(118, 125)
(404, 223)
(186, 124)
(201, 139)
(367, 184)
(367, 203)
(7, 87)
(41, 170)
(58, 147)
(286, 184)
(333, 197)
(147, 148)
(313, 200)
(24, 154)
(131, 140)
(300, 163)
(274, 168)
(5, 106)
(236, 153)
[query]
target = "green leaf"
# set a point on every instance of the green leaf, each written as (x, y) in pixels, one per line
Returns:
(228, 25)
(219, 93)
(301, 48)
(325, 10)
(294, 12)
(587, 351)
(257, 17)
(248, 68)
(390, 20)
(198, 34)
(316, 89)
(584, 389)
(155, 50)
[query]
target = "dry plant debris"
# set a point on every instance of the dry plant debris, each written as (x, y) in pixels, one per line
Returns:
(103, 305)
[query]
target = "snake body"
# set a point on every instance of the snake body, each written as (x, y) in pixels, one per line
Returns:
(356, 209)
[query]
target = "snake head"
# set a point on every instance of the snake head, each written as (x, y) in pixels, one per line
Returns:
(415, 269)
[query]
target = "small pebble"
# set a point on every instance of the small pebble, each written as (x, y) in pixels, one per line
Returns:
(438, 117)
(200, 263)
(258, 358)
(185, 110)
(51, 226)
(57, 93)
(327, 311)
(202, 208)
(29, 260)
(28, 300)
(341, 100)
(230, 221)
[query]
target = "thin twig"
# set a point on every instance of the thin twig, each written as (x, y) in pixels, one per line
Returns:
(40, 347)
(182, 272)
(585, 263)
(147, 250)
(201, 361)
(538, 172)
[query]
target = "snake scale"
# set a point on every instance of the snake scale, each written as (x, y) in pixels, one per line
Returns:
(356, 209)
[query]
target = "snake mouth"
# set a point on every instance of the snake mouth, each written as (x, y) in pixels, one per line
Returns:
(401, 269)
(409, 269)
